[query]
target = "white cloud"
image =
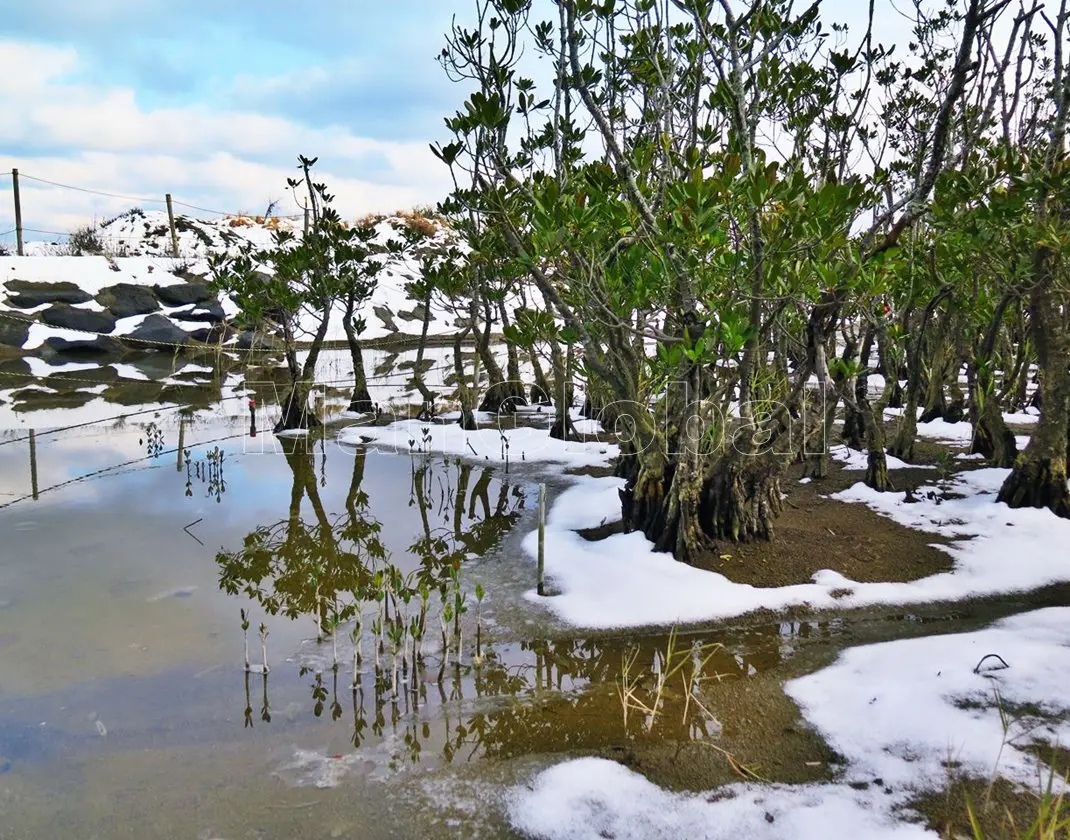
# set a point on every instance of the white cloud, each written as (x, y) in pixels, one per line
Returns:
(102, 138)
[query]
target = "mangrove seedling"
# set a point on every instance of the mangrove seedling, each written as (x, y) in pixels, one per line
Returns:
(245, 634)
(481, 593)
(263, 645)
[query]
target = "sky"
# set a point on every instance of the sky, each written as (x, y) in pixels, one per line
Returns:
(213, 102)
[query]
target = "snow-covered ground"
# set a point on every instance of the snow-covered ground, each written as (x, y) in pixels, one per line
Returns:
(517, 445)
(621, 581)
(900, 713)
(137, 251)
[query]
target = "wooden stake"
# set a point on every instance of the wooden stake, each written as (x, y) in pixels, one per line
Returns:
(542, 539)
(181, 440)
(33, 463)
(18, 212)
(171, 223)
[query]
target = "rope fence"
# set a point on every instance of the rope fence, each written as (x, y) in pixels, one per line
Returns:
(168, 202)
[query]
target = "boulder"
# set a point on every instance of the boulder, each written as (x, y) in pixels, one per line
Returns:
(127, 299)
(14, 329)
(212, 312)
(183, 294)
(26, 294)
(217, 334)
(254, 340)
(157, 332)
(387, 317)
(66, 316)
(102, 345)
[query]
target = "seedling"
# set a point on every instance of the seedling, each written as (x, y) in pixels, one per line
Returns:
(245, 635)
(263, 645)
(481, 593)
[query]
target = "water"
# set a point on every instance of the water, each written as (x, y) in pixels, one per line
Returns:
(126, 709)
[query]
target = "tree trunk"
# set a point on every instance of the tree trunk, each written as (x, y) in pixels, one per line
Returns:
(562, 428)
(464, 393)
(876, 460)
(512, 358)
(502, 395)
(683, 507)
(295, 412)
(361, 401)
(1039, 477)
(540, 390)
(426, 394)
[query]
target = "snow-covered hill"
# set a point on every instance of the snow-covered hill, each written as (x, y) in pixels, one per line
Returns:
(118, 285)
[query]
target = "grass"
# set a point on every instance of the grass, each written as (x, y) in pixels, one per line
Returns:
(979, 809)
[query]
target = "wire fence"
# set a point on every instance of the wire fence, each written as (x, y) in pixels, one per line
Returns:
(25, 229)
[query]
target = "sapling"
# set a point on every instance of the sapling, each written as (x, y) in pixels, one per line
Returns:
(481, 593)
(334, 639)
(425, 597)
(415, 633)
(245, 634)
(263, 645)
(459, 608)
(446, 618)
(397, 635)
(248, 702)
(377, 631)
(319, 625)
(265, 708)
(356, 636)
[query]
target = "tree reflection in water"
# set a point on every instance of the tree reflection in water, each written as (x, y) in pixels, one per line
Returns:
(416, 698)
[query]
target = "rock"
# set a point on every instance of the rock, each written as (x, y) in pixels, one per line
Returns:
(26, 294)
(251, 340)
(387, 317)
(211, 311)
(417, 314)
(127, 299)
(66, 316)
(157, 332)
(14, 329)
(102, 345)
(183, 294)
(217, 334)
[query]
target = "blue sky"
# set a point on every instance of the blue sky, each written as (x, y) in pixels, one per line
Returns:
(364, 65)
(213, 102)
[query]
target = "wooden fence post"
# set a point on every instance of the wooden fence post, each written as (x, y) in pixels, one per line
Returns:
(542, 540)
(33, 463)
(181, 440)
(18, 212)
(171, 223)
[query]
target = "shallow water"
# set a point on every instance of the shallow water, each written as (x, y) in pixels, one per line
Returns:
(125, 708)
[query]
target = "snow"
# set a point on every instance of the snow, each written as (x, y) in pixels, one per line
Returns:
(144, 242)
(41, 369)
(961, 432)
(897, 712)
(620, 581)
(486, 444)
(127, 371)
(39, 333)
(900, 710)
(593, 798)
(852, 459)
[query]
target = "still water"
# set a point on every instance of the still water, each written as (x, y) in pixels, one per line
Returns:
(132, 547)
